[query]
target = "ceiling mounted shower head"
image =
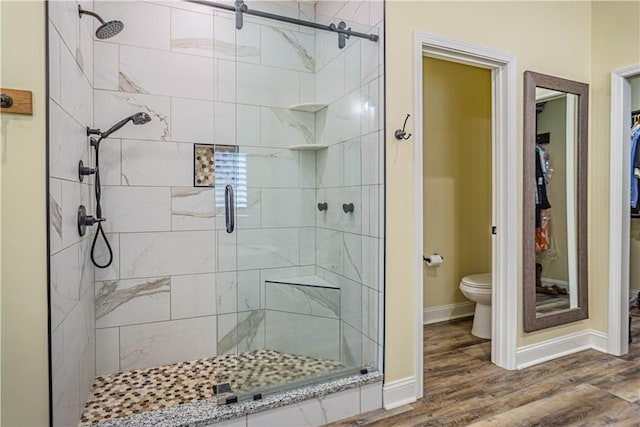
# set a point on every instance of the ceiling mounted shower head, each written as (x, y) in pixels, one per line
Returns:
(107, 29)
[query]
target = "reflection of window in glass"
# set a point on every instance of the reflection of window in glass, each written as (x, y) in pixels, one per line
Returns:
(231, 168)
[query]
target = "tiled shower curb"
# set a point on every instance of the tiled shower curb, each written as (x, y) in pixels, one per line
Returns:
(204, 412)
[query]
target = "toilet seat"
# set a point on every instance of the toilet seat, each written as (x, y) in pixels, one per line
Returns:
(481, 281)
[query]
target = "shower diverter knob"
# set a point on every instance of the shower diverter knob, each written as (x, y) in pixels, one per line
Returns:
(85, 220)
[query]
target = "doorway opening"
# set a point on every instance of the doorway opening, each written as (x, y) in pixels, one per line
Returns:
(624, 227)
(457, 199)
(503, 195)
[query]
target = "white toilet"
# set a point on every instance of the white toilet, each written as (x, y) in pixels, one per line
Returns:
(477, 288)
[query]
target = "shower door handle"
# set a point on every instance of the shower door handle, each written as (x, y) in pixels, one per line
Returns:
(229, 208)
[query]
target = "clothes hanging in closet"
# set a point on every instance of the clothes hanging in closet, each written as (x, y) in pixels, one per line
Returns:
(542, 201)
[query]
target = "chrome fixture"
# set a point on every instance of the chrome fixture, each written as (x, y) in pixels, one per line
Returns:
(322, 206)
(401, 134)
(107, 29)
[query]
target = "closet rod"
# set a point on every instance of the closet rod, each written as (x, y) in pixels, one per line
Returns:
(240, 8)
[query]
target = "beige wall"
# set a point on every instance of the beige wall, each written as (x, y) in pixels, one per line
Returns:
(456, 176)
(560, 48)
(24, 285)
(614, 39)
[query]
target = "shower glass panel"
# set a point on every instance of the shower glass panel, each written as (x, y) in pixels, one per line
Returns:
(303, 112)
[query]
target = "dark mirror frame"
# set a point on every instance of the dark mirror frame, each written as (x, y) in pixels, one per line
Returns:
(531, 321)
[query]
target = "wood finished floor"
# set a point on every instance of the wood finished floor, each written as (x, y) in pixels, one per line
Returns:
(463, 388)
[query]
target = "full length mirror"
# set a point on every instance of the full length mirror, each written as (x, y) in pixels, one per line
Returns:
(555, 222)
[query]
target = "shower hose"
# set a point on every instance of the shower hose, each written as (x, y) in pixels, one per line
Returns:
(100, 231)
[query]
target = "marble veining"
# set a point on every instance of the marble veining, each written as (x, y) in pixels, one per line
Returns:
(56, 216)
(192, 43)
(126, 84)
(246, 330)
(109, 296)
(199, 210)
(231, 49)
(307, 59)
(162, 118)
(286, 119)
(355, 266)
(303, 299)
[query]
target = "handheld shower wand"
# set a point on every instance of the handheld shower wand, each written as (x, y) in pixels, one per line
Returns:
(137, 119)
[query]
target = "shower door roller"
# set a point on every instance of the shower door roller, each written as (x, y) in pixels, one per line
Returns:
(229, 208)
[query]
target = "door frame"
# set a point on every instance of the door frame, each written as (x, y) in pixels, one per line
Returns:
(619, 218)
(505, 249)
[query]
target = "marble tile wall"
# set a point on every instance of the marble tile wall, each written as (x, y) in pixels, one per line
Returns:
(180, 286)
(71, 80)
(202, 82)
(349, 246)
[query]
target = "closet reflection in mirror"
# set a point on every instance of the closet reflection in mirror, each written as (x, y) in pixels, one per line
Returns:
(555, 159)
(555, 221)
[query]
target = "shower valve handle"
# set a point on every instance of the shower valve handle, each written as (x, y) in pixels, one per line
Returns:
(85, 220)
(91, 220)
(84, 170)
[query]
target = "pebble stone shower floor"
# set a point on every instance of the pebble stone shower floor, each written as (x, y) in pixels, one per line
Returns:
(132, 392)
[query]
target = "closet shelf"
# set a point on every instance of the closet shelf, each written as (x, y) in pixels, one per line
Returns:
(308, 147)
(308, 107)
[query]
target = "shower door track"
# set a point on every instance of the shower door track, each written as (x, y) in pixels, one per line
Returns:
(241, 8)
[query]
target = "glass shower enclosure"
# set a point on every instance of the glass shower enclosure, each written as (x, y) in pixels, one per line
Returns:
(246, 219)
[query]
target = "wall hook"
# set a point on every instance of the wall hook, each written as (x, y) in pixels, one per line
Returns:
(401, 134)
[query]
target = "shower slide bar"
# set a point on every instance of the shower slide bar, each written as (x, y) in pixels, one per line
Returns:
(240, 8)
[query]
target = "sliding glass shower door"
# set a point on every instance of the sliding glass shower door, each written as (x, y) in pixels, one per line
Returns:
(293, 211)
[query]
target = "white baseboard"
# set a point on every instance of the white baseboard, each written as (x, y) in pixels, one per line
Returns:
(398, 393)
(557, 347)
(448, 312)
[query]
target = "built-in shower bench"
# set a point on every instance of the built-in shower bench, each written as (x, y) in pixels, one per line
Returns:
(302, 316)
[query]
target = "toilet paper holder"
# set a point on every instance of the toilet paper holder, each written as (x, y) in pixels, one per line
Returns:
(428, 259)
